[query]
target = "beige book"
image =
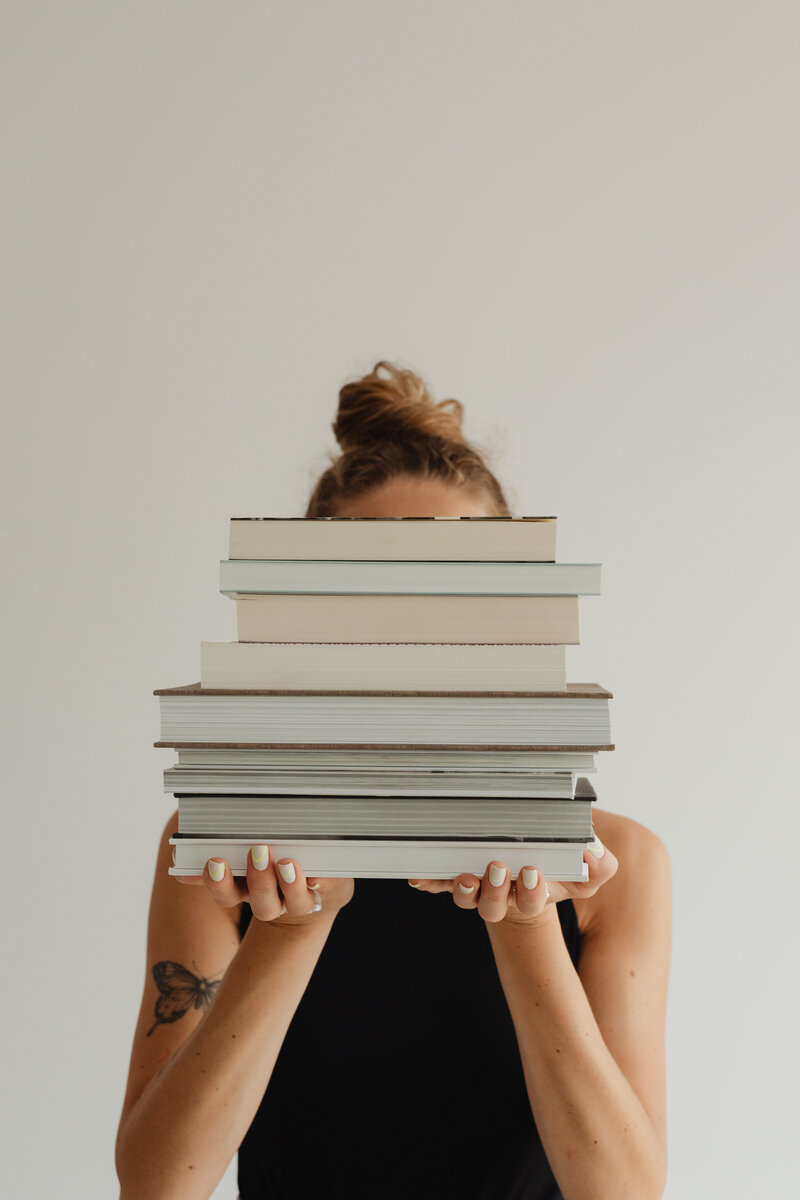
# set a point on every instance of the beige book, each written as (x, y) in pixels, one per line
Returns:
(395, 665)
(493, 619)
(527, 539)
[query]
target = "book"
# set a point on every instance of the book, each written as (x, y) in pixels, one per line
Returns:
(257, 576)
(385, 618)
(428, 760)
(577, 718)
(337, 771)
(372, 858)
(263, 781)
(262, 818)
(455, 538)
(393, 666)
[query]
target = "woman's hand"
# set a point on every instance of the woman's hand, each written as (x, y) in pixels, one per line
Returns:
(276, 892)
(524, 900)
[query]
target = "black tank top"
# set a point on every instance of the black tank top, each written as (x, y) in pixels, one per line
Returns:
(400, 1074)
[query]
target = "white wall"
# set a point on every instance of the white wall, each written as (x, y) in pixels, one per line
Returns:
(581, 220)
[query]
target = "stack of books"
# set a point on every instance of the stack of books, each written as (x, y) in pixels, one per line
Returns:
(396, 705)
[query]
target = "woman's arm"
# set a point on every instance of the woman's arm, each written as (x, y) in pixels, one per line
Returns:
(592, 1041)
(196, 1080)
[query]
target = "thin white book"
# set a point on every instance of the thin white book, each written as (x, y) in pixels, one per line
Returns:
(397, 666)
(241, 781)
(367, 858)
(361, 759)
(328, 577)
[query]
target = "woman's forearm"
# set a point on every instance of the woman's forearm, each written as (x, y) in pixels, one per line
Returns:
(191, 1118)
(598, 1138)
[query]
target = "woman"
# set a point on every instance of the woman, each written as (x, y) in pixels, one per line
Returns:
(473, 1037)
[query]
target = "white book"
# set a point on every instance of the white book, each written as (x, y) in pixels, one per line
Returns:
(323, 666)
(553, 721)
(241, 781)
(388, 859)
(527, 538)
(300, 576)
(262, 818)
(362, 759)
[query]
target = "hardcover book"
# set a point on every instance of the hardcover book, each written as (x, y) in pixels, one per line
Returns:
(528, 539)
(550, 720)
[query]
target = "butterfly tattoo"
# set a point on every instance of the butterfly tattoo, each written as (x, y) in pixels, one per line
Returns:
(179, 989)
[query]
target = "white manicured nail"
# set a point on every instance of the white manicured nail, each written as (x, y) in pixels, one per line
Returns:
(496, 875)
(288, 873)
(465, 891)
(314, 887)
(596, 848)
(546, 892)
(260, 857)
(216, 870)
(530, 878)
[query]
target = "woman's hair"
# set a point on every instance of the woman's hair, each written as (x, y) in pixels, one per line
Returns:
(392, 426)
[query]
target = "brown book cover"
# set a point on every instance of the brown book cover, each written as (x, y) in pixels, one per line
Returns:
(591, 691)
(373, 746)
(585, 691)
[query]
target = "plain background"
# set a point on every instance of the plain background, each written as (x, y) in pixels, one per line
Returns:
(578, 219)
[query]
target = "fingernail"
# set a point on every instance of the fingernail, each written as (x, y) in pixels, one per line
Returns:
(465, 891)
(413, 884)
(260, 857)
(496, 875)
(315, 887)
(546, 892)
(530, 878)
(216, 870)
(288, 873)
(596, 848)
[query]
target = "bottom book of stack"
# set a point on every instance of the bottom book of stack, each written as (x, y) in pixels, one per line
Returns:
(389, 837)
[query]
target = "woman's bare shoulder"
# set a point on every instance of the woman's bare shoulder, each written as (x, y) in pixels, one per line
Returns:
(643, 874)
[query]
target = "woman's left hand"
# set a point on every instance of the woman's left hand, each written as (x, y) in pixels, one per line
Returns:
(521, 901)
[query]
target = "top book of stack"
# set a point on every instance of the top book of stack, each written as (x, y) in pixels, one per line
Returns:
(416, 539)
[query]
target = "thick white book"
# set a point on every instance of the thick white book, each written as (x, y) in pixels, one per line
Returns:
(526, 538)
(262, 818)
(195, 716)
(367, 858)
(408, 578)
(398, 666)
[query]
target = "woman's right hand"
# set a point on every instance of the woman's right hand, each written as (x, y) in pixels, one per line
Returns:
(277, 892)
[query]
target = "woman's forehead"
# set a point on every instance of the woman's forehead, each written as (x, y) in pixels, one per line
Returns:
(407, 496)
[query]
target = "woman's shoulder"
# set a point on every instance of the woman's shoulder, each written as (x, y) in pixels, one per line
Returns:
(620, 832)
(643, 872)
